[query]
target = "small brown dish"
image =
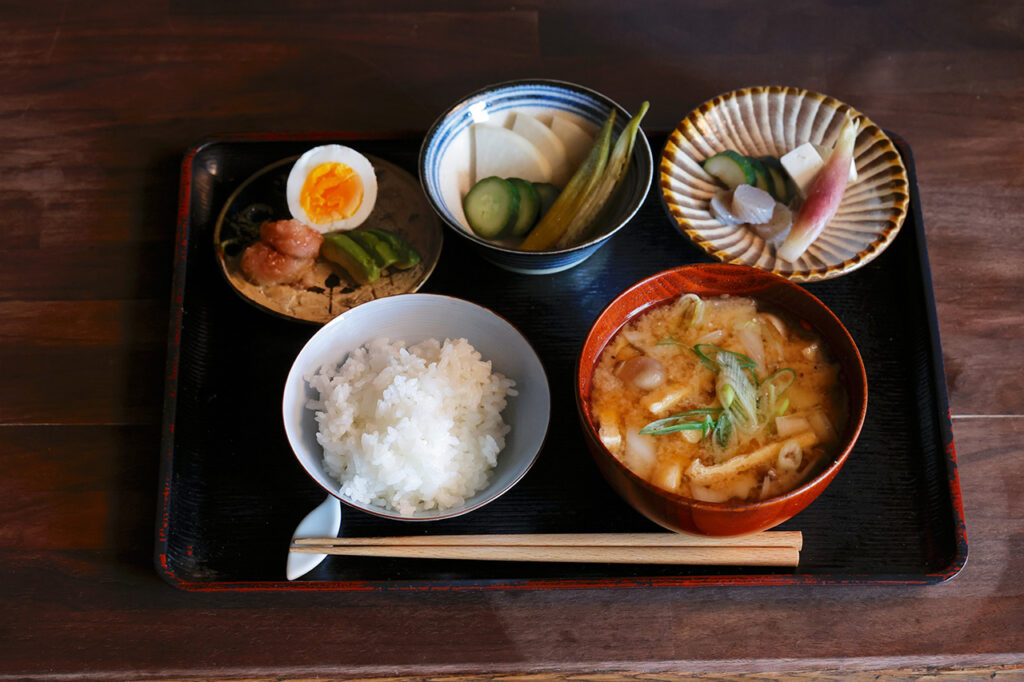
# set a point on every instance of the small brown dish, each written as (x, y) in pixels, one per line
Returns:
(677, 512)
(401, 208)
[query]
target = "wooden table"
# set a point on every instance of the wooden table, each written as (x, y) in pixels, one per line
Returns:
(100, 100)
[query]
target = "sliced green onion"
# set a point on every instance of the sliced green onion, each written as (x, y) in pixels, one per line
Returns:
(670, 341)
(792, 378)
(735, 391)
(683, 426)
(744, 361)
(705, 360)
(692, 307)
(684, 421)
(706, 426)
(747, 404)
(723, 429)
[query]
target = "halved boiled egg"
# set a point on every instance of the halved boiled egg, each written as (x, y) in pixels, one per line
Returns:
(331, 188)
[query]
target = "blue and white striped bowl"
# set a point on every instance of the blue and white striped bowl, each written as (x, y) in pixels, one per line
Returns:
(445, 163)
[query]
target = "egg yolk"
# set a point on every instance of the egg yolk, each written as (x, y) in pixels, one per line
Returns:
(332, 191)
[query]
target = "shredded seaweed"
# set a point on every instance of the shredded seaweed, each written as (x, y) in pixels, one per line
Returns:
(242, 229)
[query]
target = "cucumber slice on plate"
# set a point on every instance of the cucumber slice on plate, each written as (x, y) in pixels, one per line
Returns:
(529, 207)
(780, 189)
(781, 186)
(731, 168)
(761, 178)
(491, 206)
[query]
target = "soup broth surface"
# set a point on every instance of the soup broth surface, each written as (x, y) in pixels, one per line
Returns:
(718, 399)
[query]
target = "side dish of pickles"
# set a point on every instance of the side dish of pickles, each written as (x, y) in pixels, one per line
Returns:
(536, 215)
(763, 193)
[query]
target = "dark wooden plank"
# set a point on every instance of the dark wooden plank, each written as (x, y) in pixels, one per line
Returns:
(82, 324)
(79, 488)
(99, 600)
(82, 362)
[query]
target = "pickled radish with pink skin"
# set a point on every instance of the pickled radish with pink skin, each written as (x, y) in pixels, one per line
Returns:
(824, 197)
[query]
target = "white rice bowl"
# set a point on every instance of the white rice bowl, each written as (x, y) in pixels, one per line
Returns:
(411, 428)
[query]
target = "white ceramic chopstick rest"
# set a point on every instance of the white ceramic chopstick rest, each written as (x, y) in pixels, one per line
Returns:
(322, 522)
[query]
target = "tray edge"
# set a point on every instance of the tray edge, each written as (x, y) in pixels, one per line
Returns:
(176, 314)
(959, 559)
(956, 565)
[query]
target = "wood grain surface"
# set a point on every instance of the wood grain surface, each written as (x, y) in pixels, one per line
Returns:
(101, 99)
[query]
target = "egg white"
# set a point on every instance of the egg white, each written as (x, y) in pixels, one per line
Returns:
(327, 154)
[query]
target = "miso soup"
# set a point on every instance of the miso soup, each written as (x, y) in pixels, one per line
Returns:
(719, 399)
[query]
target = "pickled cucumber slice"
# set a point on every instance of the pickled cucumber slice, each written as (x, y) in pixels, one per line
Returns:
(548, 193)
(529, 207)
(780, 188)
(491, 206)
(762, 180)
(731, 168)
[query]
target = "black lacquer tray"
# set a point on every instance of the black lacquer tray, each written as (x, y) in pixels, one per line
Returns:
(231, 492)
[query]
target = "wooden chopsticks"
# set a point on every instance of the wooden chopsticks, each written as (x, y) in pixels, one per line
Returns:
(774, 548)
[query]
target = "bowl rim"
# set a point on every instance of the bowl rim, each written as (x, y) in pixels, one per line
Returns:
(293, 378)
(634, 206)
(823, 475)
(885, 237)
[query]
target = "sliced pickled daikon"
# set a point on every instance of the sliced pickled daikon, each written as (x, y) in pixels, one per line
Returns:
(503, 153)
(547, 143)
(577, 141)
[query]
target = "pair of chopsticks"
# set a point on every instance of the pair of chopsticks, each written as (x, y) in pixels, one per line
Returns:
(773, 548)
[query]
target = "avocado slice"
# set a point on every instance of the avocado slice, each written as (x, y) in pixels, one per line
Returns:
(407, 255)
(379, 250)
(339, 248)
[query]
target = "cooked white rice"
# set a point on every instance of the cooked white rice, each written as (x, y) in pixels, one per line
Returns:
(411, 428)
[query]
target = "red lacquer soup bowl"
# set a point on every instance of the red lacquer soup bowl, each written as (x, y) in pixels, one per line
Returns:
(674, 511)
